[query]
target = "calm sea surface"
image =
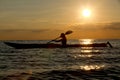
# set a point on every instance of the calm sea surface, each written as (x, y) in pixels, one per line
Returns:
(61, 63)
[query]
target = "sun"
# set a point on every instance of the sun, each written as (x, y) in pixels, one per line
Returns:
(86, 13)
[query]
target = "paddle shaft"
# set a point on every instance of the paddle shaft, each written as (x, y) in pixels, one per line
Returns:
(53, 40)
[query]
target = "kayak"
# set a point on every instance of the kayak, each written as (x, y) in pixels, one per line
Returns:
(27, 46)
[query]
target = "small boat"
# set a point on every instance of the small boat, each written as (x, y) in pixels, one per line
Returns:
(28, 46)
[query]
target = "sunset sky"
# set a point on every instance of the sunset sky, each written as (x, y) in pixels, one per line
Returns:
(46, 19)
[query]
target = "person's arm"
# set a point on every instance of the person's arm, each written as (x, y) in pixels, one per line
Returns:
(57, 40)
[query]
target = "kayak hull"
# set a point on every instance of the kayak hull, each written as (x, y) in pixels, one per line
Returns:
(27, 46)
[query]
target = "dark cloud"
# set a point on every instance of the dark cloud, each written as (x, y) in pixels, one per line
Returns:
(23, 30)
(85, 27)
(112, 26)
(98, 26)
(118, 0)
(40, 30)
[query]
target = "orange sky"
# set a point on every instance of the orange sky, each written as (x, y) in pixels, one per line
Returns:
(46, 19)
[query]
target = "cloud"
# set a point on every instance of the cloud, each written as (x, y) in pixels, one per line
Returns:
(97, 26)
(113, 26)
(85, 27)
(24, 30)
(118, 0)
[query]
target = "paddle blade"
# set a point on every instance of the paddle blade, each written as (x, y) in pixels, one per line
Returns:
(68, 32)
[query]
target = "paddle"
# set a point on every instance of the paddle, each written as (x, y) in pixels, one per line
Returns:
(66, 33)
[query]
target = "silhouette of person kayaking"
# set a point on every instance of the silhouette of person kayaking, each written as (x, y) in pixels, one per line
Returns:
(63, 39)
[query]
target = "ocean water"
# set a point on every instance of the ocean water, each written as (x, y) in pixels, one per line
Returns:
(101, 63)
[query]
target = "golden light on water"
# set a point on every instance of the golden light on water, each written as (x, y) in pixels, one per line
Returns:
(85, 54)
(78, 56)
(86, 51)
(89, 67)
(86, 41)
(92, 67)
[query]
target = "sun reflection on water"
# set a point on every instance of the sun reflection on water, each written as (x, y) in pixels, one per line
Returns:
(92, 67)
(86, 41)
(89, 67)
(85, 52)
(81, 55)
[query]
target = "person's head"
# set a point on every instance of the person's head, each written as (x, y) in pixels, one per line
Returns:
(62, 35)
